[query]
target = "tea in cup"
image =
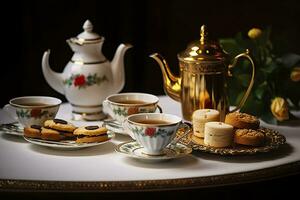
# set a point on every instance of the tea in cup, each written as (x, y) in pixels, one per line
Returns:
(120, 106)
(154, 131)
(30, 110)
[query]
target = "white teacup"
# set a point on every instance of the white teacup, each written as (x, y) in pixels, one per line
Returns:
(120, 106)
(31, 110)
(154, 131)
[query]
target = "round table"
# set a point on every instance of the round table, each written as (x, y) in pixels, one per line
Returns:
(25, 166)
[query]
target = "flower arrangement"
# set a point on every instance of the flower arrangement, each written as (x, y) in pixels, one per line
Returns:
(276, 88)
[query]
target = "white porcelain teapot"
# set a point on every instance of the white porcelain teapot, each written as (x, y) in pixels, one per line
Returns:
(89, 77)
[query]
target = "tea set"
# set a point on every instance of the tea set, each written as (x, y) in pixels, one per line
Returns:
(91, 84)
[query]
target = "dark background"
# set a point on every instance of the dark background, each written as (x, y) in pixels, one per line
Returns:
(31, 27)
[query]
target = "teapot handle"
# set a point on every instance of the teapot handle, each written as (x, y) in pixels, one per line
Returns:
(243, 55)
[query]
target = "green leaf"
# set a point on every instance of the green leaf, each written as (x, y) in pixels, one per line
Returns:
(260, 90)
(269, 118)
(270, 67)
(290, 60)
(230, 46)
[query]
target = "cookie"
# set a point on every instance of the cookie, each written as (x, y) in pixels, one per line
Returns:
(50, 134)
(90, 134)
(242, 120)
(34, 131)
(249, 137)
(59, 125)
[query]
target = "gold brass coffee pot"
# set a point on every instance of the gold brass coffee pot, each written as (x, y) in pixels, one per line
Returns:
(202, 83)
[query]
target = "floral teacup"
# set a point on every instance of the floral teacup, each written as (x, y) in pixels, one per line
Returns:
(120, 106)
(31, 110)
(154, 131)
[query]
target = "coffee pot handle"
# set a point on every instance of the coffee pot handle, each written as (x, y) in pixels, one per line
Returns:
(245, 96)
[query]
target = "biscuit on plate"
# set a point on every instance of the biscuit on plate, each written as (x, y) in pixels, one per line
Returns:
(59, 125)
(249, 137)
(34, 131)
(50, 134)
(242, 120)
(88, 134)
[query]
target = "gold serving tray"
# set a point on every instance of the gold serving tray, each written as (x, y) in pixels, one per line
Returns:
(273, 140)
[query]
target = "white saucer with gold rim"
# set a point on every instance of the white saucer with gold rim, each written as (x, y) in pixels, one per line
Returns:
(135, 150)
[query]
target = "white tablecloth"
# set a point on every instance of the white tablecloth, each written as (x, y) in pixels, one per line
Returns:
(22, 160)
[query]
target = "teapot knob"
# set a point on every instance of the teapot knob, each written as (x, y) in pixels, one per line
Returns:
(87, 26)
(203, 34)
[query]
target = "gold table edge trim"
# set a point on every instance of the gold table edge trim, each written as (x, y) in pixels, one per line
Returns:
(152, 185)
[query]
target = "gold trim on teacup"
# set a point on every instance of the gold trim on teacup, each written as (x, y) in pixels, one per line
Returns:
(35, 97)
(33, 107)
(153, 125)
(132, 104)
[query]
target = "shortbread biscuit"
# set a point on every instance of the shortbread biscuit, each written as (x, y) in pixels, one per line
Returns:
(34, 131)
(242, 120)
(59, 125)
(249, 137)
(89, 134)
(50, 134)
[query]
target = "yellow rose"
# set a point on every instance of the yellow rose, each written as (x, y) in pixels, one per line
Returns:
(254, 33)
(279, 108)
(295, 74)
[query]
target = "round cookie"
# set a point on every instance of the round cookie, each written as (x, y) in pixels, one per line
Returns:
(89, 134)
(50, 134)
(249, 137)
(242, 120)
(59, 125)
(34, 131)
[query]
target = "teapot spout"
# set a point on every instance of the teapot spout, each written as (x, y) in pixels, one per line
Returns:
(117, 66)
(54, 79)
(172, 83)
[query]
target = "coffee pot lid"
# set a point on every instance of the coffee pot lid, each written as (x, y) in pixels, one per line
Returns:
(203, 49)
(87, 36)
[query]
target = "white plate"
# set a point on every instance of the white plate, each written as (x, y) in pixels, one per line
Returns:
(67, 144)
(12, 129)
(135, 150)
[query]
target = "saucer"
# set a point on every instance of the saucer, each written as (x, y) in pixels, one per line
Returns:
(135, 150)
(115, 127)
(67, 144)
(12, 129)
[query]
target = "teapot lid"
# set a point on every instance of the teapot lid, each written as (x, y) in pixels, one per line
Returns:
(202, 50)
(87, 36)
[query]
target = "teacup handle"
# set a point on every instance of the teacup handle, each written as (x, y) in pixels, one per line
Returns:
(244, 98)
(125, 125)
(11, 111)
(107, 108)
(187, 127)
(159, 109)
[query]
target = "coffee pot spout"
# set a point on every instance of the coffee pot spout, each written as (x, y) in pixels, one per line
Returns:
(172, 83)
(54, 79)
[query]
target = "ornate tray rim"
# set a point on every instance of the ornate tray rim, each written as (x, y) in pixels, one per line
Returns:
(275, 140)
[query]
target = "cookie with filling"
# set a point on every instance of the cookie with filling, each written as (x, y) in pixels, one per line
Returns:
(34, 131)
(88, 134)
(59, 125)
